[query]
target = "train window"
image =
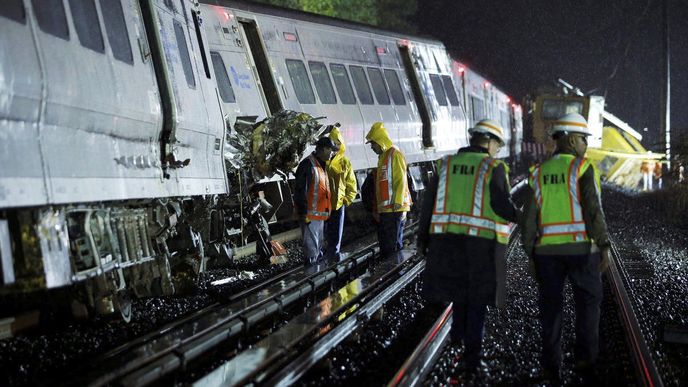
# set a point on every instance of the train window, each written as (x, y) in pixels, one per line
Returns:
(477, 108)
(300, 82)
(438, 87)
(51, 18)
(323, 85)
(13, 9)
(553, 109)
(184, 54)
(395, 87)
(343, 84)
(223, 83)
(379, 87)
(449, 89)
(116, 29)
(361, 85)
(87, 25)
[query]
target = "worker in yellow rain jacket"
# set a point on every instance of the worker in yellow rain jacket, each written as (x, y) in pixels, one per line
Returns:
(565, 234)
(343, 192)
(391, 191)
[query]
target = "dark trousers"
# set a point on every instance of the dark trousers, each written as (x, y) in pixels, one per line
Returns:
(468, 323)
(334, 228)
(582, 271)
(390, 234)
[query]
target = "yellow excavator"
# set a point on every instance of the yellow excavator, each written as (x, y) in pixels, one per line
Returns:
(615, 149)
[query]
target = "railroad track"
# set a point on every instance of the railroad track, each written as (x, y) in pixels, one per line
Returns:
(421, 361)
(175, 346)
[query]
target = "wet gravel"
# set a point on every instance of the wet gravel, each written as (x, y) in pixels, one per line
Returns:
(654, 255)
(38, 357)
(654, 251)
(512, 341)
(50, 352)
(372, 355)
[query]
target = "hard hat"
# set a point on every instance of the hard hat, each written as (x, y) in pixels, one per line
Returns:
(488, 127)
(570, 123)
(326, 142)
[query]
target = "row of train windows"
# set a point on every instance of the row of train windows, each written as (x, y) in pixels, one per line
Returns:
(381, 80)
(479, 112)
(52, 19)
(444, 90)
(442, 85)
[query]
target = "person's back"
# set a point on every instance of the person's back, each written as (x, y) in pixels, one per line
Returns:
(562, 228)
(463, 226)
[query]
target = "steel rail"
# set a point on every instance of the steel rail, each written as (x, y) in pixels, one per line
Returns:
(645, 367)
(419, 363)
(181, 342)
(286, 375)
(414, 369)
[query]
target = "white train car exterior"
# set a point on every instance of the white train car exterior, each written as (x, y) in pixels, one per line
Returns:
(114, 116)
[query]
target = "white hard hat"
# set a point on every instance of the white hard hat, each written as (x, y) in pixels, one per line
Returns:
(570, 123)
(488, 127)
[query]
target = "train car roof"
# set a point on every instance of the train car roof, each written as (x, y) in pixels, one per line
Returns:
(273, 10)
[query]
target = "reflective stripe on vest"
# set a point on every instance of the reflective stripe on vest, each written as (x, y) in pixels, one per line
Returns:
(475, 220)
(478, 196)
(387, 171)
(316, 208)
(574, 226)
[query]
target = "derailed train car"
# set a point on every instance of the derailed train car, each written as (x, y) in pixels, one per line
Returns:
(481, 99)
(114, 117)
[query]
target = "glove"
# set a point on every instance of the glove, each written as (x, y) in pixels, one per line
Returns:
(604, 261)
(397, 207)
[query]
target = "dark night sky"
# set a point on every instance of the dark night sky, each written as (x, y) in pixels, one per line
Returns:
(612, 46)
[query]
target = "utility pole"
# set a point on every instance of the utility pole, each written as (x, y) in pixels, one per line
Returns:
(665, 107)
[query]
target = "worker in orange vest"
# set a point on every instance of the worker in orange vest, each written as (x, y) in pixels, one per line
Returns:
(658, 174)
(393, 198)
(312, 198)
(646, 169)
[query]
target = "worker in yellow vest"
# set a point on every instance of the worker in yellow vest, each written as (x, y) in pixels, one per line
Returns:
(391, 191)
(563, 232)
(343, 187)
(464, 229)
(312, 198)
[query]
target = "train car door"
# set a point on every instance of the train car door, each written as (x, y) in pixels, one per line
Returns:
(194, 128)
(237, 77)
(407, 126)
(414, 79)
(258, 59)
(444, 131)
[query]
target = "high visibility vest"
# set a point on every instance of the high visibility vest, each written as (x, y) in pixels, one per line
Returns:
(318, 197)
(385, 183)
(558, 199)
(462, 203)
